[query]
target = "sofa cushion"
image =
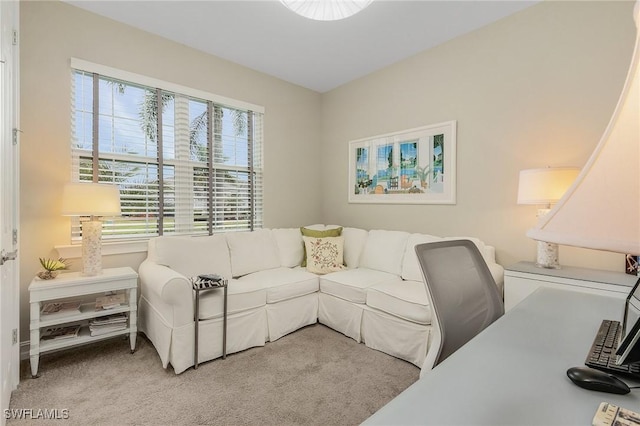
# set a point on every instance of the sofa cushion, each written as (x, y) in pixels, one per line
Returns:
(411, 269)
(252, 251)
(384, 250)
(406, 300)
(352, 284)
(193, 256)
(241, 296)
(290, 246)
(354, 241)
(317, 233)
(283, 283)
(481, 247)
(324, 255)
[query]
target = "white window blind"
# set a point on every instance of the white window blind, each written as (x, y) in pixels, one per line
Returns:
(184, 165)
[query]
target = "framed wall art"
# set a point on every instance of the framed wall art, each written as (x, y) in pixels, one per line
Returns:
(415, 166)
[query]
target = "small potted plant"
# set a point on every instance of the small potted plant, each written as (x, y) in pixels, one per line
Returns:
(52, 267)
(423, 174)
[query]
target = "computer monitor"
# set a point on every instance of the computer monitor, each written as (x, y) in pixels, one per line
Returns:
(629, 347)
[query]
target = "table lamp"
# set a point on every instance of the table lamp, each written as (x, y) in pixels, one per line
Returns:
(545, 187)
(92, 200)
(601, 210)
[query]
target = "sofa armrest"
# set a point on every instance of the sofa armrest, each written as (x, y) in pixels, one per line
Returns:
(168, 292)
(489, 254)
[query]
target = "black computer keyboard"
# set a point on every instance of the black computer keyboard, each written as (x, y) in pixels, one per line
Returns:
(603, 351)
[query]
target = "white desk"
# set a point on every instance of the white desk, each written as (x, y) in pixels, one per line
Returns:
(514, 372)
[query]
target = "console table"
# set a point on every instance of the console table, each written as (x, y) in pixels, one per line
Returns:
(83, 289)
(523, 278)
(514, 372)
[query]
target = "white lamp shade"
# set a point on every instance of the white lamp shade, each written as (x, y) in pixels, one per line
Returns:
(90, 199)
(326, 10)
(545, 186)
(601, 210)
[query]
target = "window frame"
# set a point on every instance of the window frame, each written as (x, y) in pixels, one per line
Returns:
(252, 112)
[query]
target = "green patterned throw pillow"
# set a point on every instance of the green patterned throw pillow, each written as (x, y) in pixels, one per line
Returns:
(306, 232)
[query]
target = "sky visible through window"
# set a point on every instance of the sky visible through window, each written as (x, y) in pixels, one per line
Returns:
(121, 128)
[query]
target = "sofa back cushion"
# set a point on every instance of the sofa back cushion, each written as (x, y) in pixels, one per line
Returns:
(487, 254)
(411, 270)
(384, 250)
(354, 242)
(193, 256)
(290, 246)
(252, 251)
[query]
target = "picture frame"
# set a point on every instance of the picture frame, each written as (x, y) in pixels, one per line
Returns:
(414, 166)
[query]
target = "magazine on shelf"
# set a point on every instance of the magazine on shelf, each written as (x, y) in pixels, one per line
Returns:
(61, 332)
(109, 301)
(105, 330)
(110, 319)
(65, 306)
(108, 324)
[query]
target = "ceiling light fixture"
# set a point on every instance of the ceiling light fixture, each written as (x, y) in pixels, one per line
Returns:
(326, 10)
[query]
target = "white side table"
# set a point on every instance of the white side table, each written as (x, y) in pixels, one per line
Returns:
(523, 278)
(74, 285)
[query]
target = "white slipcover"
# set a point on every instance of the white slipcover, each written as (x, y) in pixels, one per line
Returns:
(352, 284)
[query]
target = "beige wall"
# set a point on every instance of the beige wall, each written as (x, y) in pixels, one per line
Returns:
(535, 89)
(53, 32)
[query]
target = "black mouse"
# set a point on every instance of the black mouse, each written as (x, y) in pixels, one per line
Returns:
(597, 380)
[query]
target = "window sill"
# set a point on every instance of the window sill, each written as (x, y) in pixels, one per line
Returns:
(123, 247)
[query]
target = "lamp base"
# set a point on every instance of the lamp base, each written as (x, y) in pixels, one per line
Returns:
(547, 256)
(91, 247)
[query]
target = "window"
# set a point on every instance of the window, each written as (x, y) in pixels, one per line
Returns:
(184, 164)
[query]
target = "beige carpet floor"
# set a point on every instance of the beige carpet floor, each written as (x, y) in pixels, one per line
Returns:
(314, 376)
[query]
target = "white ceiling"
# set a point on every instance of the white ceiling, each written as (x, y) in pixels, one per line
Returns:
(320, 55)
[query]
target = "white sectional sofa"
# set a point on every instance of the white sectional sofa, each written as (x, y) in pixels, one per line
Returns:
(379, 298)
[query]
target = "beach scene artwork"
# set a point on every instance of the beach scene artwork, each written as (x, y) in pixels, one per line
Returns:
(415, 166)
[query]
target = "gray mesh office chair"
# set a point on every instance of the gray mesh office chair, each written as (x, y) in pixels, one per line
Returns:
(462, 293)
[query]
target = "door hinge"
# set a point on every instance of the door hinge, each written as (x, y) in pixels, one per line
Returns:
(15, 237)
(14, 336)
(15, 135)
(14, 38)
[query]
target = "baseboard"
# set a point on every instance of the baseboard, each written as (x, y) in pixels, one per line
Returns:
(24, 350)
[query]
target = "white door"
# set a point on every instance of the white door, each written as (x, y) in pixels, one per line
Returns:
(9, 282)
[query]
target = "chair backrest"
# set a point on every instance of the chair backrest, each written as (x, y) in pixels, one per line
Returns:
(463, 295)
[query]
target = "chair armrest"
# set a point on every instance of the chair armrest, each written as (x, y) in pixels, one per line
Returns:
(168, 292)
